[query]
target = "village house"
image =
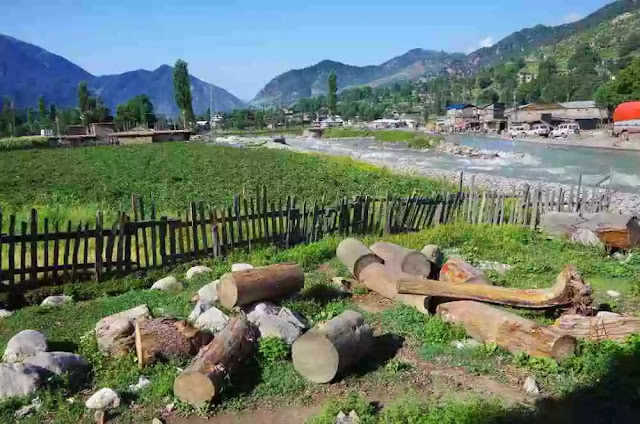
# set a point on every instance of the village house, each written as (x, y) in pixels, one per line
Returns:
(492, 117)
(585, 113)
(462, 117)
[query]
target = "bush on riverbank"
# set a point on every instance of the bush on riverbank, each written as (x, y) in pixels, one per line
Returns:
(19, 143)
(413, 139)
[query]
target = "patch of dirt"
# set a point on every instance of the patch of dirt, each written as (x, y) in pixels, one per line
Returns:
(373, 302)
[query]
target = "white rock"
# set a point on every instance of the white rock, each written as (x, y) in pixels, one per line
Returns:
(156, 421)
(259, 309)
(103, 399)
(197, 270)
(5, 313)
(56, 300)
(493, 266)
(58, 362)
(209, 292)
(115, 332)
(240, 267)
(169, 283)
(35, 405)
(143, 382)
(434, 254)
(530, 386)
(292, 317)
(18, 380)
(343, 418)
(276, 326)
(613, 293)
(212, 320)
(24, 344)
(201, 307)
(465, 344)
(170, 407)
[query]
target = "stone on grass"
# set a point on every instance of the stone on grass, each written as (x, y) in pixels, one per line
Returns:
(5, 313)
(343, 418)
(276, 326)
(197, 270)
(115, 332)
(18, 380)
(34, 406)
(58, 362)
(209, 292)
(259, 309)
(434, 254)
(24, 344)
(613, 293)
(240, 267)
(466, 344)
(166, 284)
(143, 383)
(212, 320)
(530, 386)
(103, 399)
(56, 300)
(201, 307)
(493, 266)
(292, 317)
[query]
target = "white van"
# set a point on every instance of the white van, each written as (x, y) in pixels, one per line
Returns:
(565, 130)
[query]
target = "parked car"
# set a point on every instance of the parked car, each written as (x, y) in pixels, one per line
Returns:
(517, 131)
(540, 130)
(626, 120)
(565, 130)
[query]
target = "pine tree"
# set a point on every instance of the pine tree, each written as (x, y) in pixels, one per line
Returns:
(182, 88)
(332, 93)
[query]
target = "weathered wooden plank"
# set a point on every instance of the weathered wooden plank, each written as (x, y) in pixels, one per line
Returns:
(483, 205)
(172, 242)
(12, 253)
(162, 240)
(194, 229)
(56, 252)
(247, 232)
(579, 195)
(45, 247)
(255, 222)
(496, 208)
(265, 214)
(187, 230)
(259, 216)
(74, 256)
(236, 212)
(128, 237)
(215, 237)
(23, 251)
(281, 227)
(136, 218)
(230, 219)
(274, 226)
(203, 226)
(502, 209)
(110, 246)
(98, 240)
(33, 275)
(223, 230)
(67, 252)
(145, 243)
(594, 196)
(287, 229)
(534, 208)
(154, 240)
(85, 246)
(121, 244)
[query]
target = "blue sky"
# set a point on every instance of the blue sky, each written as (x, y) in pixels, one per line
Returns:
(241, 45)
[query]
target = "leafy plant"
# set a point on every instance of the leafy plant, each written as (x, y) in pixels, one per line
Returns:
(272, 350)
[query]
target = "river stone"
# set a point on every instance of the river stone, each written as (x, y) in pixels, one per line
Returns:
(259, 309)
(277, 326)
(434, 254)
(166, 284)
(201, 307)
(212, 320)
(115, 332)
(240, 267)
(197, 270)
(18, 380)
(24, 344)
(56, 300)
(209, 292)
(103, 399)
(292, 317)
(530, 386)
(58, 362)
(5, 313)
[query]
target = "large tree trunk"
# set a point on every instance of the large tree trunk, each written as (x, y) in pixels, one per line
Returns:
(610, 230)
(165, 338)
(485, 323)
(115, 333)
(329, 349)
(203, 379)
(457, 271)
(568, 290)
(355, 256)
(400, 259)
(251, 285)
(604, 326)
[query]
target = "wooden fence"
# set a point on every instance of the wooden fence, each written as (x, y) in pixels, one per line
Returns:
(41, 252)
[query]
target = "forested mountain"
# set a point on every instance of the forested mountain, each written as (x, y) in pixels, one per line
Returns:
(28, 72)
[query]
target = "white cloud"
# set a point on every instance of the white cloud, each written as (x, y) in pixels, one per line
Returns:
(486, 42)
(572, 17)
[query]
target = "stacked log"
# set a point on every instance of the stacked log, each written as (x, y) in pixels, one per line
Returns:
(356, 256)
(402, 260)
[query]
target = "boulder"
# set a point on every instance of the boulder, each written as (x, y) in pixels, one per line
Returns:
(434, 254)
(259, 309)
(343, 418)
(166, 284)
(58, 363)
(24, 344)
(240, 267)
(103, 399)
(201, 307)
(115, 332)
(276, 326)
(209, 292)
(18, 380)
(197, 270)
(530, 386)
(5, 313)
(56, 300)
(292, 317)
(212, 320)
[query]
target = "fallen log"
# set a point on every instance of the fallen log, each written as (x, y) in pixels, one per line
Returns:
(569, 289)
(355, 256)
(203, 379)
(332, 347)
(251, 285)
(603, 326)
(165, 338)
(457, 271)
(608, 229)
(400, 259)
(485, 323)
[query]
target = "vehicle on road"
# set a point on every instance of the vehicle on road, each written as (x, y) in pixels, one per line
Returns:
(565, 130)
(626, 120)
(540, 130)
(517, 131)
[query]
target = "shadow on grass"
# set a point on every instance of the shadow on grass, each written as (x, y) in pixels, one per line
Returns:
(384, 348)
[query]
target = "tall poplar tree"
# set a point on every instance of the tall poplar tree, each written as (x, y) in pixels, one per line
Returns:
(182, 88)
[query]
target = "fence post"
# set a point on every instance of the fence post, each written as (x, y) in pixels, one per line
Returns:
(98, 246)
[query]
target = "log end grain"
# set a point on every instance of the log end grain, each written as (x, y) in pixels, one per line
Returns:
(356, 256)
(416, 263)
(315, 357)
(227, 291)
(194, 388)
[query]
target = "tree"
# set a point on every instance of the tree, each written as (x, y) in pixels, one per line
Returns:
(488, 96)
(626, 86)
(483, 80)
(52, 112)
(182, 89)
(332, 92)
(584, 60)
(42, 112)
(137, 111)
(83, 96)
(630, 45)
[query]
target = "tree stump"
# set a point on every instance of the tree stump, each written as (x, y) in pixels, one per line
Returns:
(332, 347)
(400, 259)
(356, 256)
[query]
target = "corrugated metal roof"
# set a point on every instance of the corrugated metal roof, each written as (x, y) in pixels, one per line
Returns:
(459, 106)
(583, 104)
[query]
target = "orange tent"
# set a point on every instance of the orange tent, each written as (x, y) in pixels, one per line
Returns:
(627, 111)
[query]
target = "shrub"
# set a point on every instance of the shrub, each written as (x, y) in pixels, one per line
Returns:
(272, 350)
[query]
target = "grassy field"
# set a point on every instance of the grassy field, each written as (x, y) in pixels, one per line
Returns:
(598, 385)
(413, 139)
(75, 183)
(21, 143)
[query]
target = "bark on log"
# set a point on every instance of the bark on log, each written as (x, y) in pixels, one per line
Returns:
(569, 289)
(400, 259)
(610, 230)
(202, 380)
(485, 323)
(355, 256)
(604, 326)
(251, 285)
(165, 338)
(332, 347)
(457, 271)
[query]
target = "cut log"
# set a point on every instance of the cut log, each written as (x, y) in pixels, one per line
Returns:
(485, 323)
(251, 285)
(604, 326)
(569, 290)
(332, 347)
(203, 379)
(380, 279)
(610, 230)
(400, 259)
(457, 271)
(355, 256)
(166, 338)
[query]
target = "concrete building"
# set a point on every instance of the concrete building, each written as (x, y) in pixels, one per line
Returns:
(586, 113)
(492, 117)
(462, 117)
(147, 137)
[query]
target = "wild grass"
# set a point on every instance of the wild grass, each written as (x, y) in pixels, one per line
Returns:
(413, 139)
(21, 143)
